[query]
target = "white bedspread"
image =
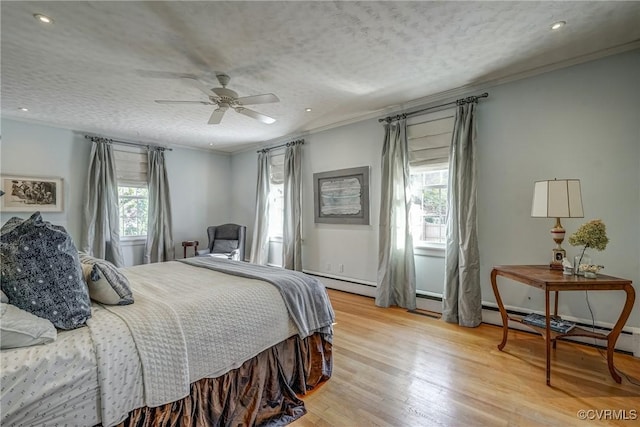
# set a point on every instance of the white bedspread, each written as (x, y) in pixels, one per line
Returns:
(58, 384)
(187, 323)
(204, 324)
(119, 368)
(54, 382)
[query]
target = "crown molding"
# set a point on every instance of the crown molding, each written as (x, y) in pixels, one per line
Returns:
(452, 94)
(481, 86)
(272, 142)
(80, 132)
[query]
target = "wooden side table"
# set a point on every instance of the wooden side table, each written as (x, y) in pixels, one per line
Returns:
(187, 243)
(540, 276)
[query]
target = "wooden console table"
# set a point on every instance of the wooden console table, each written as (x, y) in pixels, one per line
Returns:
(540, 276)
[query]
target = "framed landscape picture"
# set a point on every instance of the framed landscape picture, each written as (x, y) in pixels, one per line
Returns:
(342, 196)
(30, 194)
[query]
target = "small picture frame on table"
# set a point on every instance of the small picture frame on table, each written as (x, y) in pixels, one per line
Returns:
(558, 256)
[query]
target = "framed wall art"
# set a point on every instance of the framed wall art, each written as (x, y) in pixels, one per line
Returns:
(342, 196)
(30, 194)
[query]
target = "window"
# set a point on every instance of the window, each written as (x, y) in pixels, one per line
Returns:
(428, 213)
(133, 194)
(429, 138)
(133, 205)
(276, 196)
(276, 210)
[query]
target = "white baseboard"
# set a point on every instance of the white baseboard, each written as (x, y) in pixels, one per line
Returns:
(628, 341)
(359, 287)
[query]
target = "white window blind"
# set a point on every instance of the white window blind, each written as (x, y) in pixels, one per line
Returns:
(276, 195)
(429, 140)
(131, 166)
(276, 168)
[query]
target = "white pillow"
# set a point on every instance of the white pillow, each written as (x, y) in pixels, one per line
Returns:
(19, 328)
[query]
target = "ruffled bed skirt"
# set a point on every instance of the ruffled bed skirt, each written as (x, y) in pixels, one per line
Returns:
(262, 392)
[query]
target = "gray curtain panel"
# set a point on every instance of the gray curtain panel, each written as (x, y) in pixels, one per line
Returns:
(462, 299)
(292, 232)
(396, 270)
(260, 244)
(101, 228)
(159, 246)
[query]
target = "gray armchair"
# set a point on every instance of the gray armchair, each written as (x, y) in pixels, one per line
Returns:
(226, 241)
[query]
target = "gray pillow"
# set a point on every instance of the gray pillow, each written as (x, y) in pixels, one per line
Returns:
(107, 284)
(41, 273)
(224, 246)
(19, 328)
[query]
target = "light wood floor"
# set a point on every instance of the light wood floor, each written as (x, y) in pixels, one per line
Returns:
(394, 368)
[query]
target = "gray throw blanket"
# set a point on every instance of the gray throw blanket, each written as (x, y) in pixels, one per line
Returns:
(304, 296)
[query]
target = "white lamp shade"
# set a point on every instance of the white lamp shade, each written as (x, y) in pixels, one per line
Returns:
(558, 198)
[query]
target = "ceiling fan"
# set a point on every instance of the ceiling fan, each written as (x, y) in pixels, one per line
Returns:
(226, 99)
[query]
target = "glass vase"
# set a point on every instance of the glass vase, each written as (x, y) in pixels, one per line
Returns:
(583, 259)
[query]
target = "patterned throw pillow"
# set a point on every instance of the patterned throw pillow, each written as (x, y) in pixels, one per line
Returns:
(107, 284)
(40, 272)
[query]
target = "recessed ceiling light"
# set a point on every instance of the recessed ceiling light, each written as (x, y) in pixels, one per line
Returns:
(558, 25)
(211, 144)
(308, 110)
(43, 18)
(23, 109)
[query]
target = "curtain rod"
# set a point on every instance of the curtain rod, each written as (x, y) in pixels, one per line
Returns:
(288, 144)
(133, 144)
(460, 101)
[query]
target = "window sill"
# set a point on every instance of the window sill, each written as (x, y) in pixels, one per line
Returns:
(133, 241)
(435, 251)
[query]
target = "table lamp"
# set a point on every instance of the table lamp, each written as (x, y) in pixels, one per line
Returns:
(558, 198)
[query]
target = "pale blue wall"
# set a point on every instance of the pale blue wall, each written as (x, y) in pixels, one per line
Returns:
(579, 122)
(199, 181)
(43, 151)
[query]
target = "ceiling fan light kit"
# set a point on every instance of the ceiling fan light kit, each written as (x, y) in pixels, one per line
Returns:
(226, 99)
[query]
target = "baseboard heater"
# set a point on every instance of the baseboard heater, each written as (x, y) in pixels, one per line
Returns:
(338, 278)
(602, 329)
(524, 313)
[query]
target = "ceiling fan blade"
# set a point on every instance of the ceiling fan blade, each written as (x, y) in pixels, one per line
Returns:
(216, 116)
(258, 99)
(163, 101)
(164, 74)
(197, 84)
(255, 115)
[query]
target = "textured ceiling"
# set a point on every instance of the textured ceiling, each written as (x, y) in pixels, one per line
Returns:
(99, 67)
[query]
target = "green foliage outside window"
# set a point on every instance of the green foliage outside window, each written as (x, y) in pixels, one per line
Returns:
(134, 207)
(434, 204)
(429, 205)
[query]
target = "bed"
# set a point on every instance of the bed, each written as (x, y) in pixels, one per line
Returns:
(206, 342)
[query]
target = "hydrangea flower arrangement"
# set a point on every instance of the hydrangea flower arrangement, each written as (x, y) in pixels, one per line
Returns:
(592, 234)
